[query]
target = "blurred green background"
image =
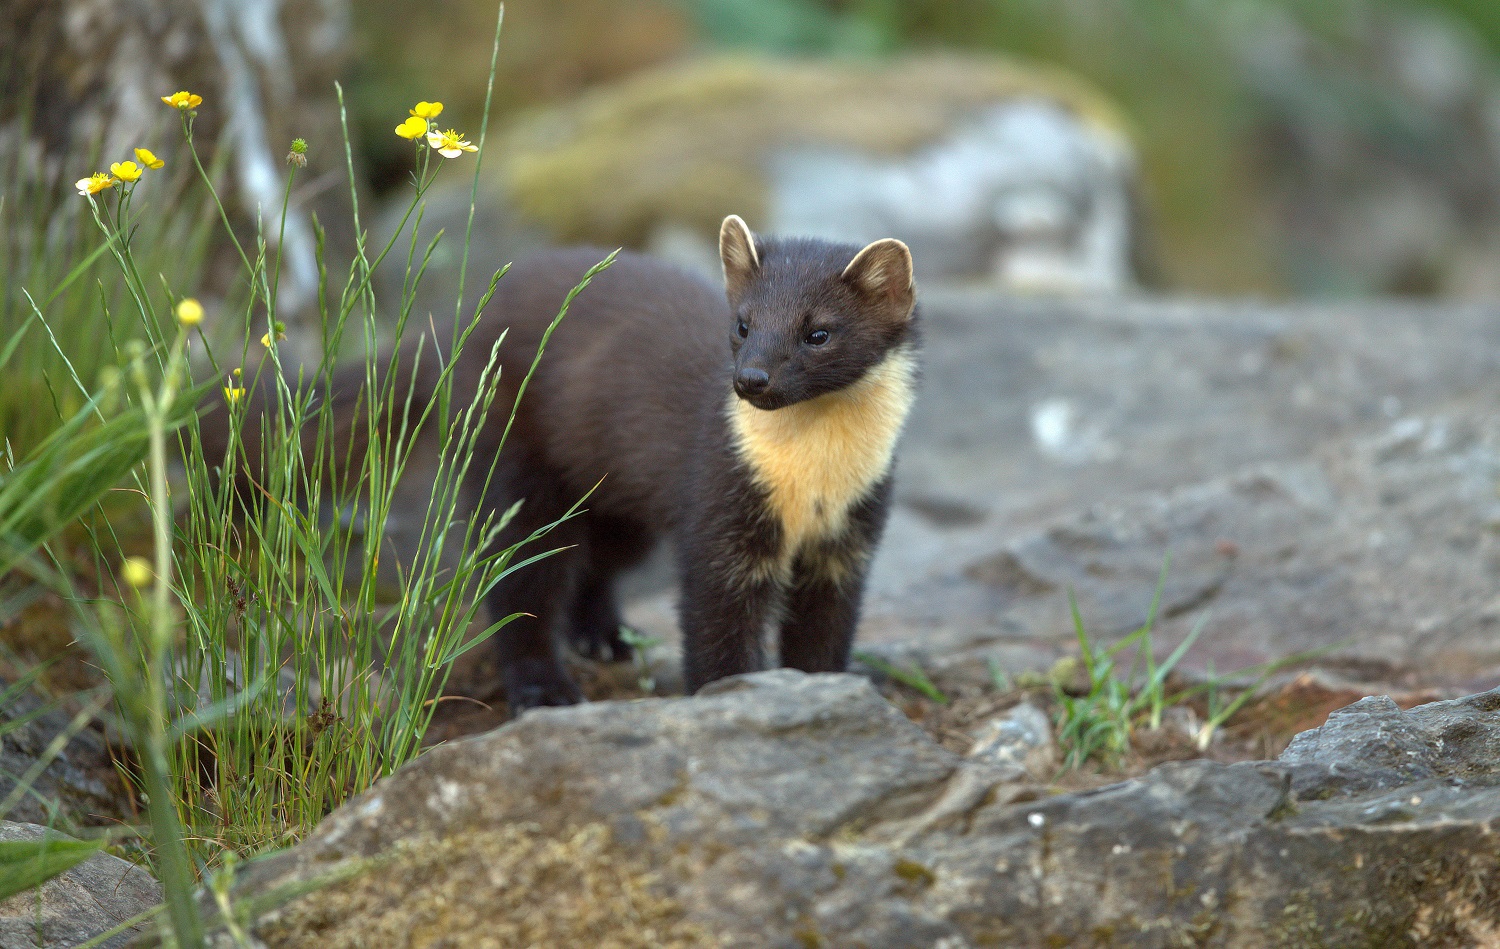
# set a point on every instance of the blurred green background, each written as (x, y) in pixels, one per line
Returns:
(1287, 147)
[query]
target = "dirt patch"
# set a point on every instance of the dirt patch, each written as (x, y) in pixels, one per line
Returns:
(1260, 730)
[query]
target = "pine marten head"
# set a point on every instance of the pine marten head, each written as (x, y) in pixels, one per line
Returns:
(811, 317)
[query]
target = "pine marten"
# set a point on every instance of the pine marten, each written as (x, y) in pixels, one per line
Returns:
(755, 427)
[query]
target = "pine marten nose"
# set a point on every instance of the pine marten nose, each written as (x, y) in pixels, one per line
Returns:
(751, 382)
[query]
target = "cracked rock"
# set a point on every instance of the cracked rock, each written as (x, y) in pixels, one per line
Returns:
(785, 810)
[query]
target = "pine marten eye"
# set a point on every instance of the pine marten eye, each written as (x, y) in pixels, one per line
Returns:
(816, 337)
(743, 329)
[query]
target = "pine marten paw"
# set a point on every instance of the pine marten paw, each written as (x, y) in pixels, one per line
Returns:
(539, 683)
(600, 642)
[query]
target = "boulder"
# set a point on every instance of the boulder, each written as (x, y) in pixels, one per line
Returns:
(1322, 478)
(92, 898)
(989, 169)
(784, 810)
(1373, 745)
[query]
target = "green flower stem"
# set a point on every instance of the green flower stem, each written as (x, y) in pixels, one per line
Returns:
(187, 131)
(149, 710)
(484, 125)
(286, 201)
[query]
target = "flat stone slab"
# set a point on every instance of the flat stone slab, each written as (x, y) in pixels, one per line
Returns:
(88, 900)
(1322, 477)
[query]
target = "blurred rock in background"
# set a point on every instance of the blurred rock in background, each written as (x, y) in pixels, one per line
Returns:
(1380, 152)
(1346, 148)
(1025, 192)
(991, 170)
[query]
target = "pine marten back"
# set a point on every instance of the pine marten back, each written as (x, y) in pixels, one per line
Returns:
(755, 426)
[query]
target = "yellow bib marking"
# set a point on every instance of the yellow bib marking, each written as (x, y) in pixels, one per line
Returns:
(815, 459)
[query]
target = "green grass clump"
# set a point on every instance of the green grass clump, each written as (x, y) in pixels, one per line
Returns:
(1097, 721)
(260, 676)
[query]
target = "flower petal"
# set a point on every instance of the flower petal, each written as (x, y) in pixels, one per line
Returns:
(183, 100)
(125, 170)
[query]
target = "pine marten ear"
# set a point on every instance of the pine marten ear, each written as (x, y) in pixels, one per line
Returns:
(737, 250)
(883, 272)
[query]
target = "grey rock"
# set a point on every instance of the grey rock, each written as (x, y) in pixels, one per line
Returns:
(1018, 742)
(92, 898)
(1027, 194)
(1322, 478)
(80, 786)
(1374, 745)
(787, 810)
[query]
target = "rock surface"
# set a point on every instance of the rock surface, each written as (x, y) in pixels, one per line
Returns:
(1322, 477)
(783, 810)
(95, 896)
(79, 786)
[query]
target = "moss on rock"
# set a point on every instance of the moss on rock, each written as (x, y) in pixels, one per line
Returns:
(512, 886)
(687, 143)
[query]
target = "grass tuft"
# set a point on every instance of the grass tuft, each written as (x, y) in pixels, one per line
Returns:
(264, 665)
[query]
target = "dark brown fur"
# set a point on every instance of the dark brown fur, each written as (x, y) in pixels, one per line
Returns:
(633, 395)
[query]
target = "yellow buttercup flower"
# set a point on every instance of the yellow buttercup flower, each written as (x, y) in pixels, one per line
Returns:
(183, 100)
(427, 110)
(94, 183)
(412, 129)
(126, 171)
(449, 144)
(136, 572)
(189, 312)
(144, 156)
(278, 332)
(233, 392)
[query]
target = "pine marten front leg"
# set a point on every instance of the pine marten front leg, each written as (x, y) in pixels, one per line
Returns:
(821, 610)
(729, 557)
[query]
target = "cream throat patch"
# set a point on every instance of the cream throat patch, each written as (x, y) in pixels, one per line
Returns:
(816, 459)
